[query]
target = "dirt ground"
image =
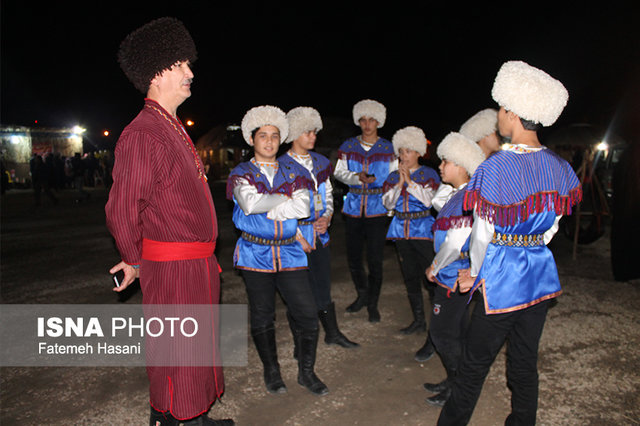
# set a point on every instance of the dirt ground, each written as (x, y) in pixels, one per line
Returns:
(589, 358)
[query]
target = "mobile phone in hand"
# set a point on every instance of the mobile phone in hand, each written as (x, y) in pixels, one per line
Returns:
(118, 277)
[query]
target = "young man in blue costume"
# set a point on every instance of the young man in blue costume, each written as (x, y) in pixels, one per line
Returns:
(269, 197)
(364, 163)
(518, 196)
(407, 193)
(460, 157)
(304, 124)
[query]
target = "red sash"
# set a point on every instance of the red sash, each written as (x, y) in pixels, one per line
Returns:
(162, 251)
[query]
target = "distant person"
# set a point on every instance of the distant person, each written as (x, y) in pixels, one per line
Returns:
(161, 213)
(40, 179)
(304, 124)
(364, 163)
(407, 193)
(79, 169)
(460, 156)
(518, 196)
(269, 197)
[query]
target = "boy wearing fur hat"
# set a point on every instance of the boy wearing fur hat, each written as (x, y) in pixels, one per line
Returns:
(460, 157)
(364, 163)
(407, 193)
(518, 196)
(304, 124)
(269, 197)
(159, 202)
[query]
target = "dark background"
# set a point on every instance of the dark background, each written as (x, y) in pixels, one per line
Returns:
(432, 66)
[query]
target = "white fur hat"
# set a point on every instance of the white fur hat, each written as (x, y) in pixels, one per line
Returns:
(265, 115)
(410, 138)
(369, 108)
(480, 125)
(461, 150)
(529, 93)
(301, 120)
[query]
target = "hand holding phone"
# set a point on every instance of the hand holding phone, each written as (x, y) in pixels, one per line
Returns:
(118, 277)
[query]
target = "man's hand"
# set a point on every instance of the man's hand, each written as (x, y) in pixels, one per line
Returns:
(130, 275)
(305, 245)
(465, 280)
(366, 179)
(429, 274)
(321, 225)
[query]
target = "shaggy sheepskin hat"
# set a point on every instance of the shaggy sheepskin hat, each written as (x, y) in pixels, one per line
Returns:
(480, 125)
(153, 48)
(265, 115)
(301, 120)
(410, 138)
(461, 150)
(369, 108)
(530, 93)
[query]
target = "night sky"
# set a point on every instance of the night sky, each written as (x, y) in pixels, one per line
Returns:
(432, 66)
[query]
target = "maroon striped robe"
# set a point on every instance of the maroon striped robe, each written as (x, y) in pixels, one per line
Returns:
(157, 194)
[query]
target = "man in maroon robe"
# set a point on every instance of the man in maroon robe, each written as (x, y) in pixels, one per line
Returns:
(161, 213)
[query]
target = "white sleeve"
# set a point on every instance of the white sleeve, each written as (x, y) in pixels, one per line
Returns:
(450, 248)
(423, 193)
(481, 235)
(328, 189)
(251, 202)
(296, 207)
(441, 196)
(393, 165)
(344, 175)
(390, 198)
(552, 231)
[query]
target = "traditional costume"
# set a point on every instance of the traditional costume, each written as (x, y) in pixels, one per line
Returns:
(269, 199)
(452, 228)
(161, 214)
(302, 120)
(518, 196)
(410, 227)
(365, 215)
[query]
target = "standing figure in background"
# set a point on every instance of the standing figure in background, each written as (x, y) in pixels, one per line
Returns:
(304, 124)
(407, 193)
(364, 163)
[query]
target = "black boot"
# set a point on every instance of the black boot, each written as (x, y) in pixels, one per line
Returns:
(417, 307)
(158, 418)
(440, 399)
(203, 420)
(426, 352)
(265, 340)
(332, 334)
(306, 376)
(372, 303)
(295, 332)
(359, 303)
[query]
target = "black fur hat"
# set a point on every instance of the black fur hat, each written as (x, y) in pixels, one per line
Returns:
(153, 48)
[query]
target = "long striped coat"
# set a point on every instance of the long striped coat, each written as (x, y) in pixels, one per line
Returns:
(160, 193)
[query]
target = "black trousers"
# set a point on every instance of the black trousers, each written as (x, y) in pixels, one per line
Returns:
(295, 290)
(447, 324)
(320, 275)
(485, 336)
(371, 231)
(414, 257)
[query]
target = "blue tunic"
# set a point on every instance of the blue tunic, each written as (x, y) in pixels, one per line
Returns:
(366, 199)
(268, 257)
(418, 228)
(452, 216)
(520, 191)
(322, 170)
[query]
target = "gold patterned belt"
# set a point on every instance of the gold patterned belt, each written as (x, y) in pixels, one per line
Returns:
(464, 255)
(365, 191)
(411, 215)
(266, 241)
(515, 240)
(306, 222)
